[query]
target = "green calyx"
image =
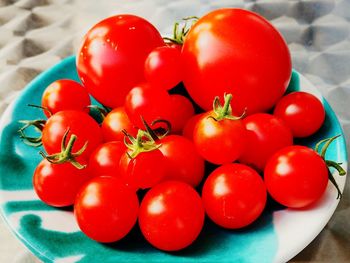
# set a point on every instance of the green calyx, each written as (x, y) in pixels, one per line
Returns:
(143, 142)
(38, 126)
(321, 148)
(66, 154)
(179, 34)
(222, 112)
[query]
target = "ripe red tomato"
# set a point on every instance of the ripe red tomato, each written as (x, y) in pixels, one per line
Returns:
(79, 123)
(296, 176)
(163, 67)
(143, 171)
(234, 195)
(171, 215)
(105, 209)
(113, 124)
(106, 157)
(221, 141)
(302, 112)
(149, 102)
(239, 52)
(189, 126)
(111, 59)
(266, 134)
(58, 184)
(182, 110)
(65, 94)
(183, 161)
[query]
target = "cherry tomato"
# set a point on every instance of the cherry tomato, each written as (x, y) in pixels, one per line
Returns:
(163, 67)
(296, 176)
(266, 134)
(239, 52)
(234, 195)
(58, 184)
(182, 110)
(106, 157)
(171, 215)
(143, 171)
(113, 124)
(111, 58)
(302, 112)
(221, 141)
(79, 123)
(149, 102)
(65, 94)
(189, 126)
(183, 162)
(105, 209)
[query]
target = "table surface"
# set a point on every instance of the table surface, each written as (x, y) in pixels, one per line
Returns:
(36, 34)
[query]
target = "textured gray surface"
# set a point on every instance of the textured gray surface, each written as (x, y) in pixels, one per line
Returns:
(36, 34)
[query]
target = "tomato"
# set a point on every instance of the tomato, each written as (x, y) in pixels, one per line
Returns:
(79, 123)
(149, 102)
(234, 195)
(296, 176)
(183, 162)
(239, 52)
(106, 157)
(113, 124)
(171, 215)
(163, 67)
(302, 112)
(111, 58)
(143, 171)
(218, 136)
(65, 94)
(105, 209)
(58, 184)
(182, 110)
(189, 126)
(266, 134)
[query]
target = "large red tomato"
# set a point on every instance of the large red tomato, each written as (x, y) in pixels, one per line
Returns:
(239, 52)
(111, 59)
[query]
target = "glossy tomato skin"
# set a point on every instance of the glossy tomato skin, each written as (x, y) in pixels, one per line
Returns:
(221, 58)
(302, 112)
(149, 102)
(171, 215)
(234, 196)
(266, 134)
(105, 209)
(79, 123)
(143, 171)
(181, 111)
(58, 184)
(296, 176)
(221, 141)
(183, 161)
(106, 157)
(65, 94)
(113, 124)
(163, 67)
(111, 58)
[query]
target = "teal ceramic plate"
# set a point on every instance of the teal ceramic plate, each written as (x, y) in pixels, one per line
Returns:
(52, 234)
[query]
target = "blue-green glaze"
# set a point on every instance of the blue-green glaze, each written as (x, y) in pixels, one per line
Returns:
(257, 243)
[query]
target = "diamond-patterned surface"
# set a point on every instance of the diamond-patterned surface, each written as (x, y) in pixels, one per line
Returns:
(36, 34)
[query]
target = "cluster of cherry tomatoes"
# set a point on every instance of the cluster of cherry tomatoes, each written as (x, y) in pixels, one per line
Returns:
(172, 109)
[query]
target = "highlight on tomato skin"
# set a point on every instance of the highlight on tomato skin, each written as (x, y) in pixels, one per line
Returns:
(171, 216)
(234, 195)
(302, 112)
(106, 209)
(296, 176)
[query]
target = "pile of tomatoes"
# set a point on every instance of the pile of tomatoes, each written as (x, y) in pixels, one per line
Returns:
(210, 96)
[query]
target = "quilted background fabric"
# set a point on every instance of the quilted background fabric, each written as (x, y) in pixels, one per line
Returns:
(36, 34)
